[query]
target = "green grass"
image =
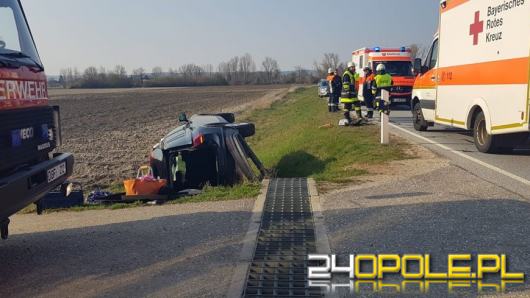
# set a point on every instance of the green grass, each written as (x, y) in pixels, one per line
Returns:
(289, 139)
(224, 193)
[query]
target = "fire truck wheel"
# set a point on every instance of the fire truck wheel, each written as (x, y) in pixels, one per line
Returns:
(484, 142)
(419, 122)
(4, 229)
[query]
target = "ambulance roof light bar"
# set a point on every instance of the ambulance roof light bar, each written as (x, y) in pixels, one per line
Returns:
(377, 49)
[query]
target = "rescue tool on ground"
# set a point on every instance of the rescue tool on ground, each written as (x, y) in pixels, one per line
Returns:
(29, 128)
(476, 75)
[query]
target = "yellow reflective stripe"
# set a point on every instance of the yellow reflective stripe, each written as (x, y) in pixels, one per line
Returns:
(508, 126)
(452, 121)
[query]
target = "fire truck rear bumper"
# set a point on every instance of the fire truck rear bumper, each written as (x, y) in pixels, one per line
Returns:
(30, 184)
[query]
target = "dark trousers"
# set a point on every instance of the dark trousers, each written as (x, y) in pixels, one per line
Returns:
(333, 102)
(348, 107)
(369, 100)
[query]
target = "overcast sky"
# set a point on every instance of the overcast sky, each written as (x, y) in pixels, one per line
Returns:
(169, 33)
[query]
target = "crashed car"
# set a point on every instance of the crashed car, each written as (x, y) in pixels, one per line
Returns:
(207, 149)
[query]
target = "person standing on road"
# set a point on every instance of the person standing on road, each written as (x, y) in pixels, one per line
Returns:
(382, 81)
(367, 91)
(349, 98)
(336, 89)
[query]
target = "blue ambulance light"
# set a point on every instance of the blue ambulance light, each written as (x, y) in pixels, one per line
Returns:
(377, 49)
(16, 138)
(403, 49)
(44, 132)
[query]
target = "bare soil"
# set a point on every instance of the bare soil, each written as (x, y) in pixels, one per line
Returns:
(110, 132)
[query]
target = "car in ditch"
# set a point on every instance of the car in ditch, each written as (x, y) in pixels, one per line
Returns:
(206, 149)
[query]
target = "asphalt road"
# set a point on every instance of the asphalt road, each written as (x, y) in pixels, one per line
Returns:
(435, 206)
(510, 171)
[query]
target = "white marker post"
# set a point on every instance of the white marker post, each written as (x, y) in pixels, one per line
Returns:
(385, 128)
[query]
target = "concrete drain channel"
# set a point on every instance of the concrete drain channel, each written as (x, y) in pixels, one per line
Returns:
(285, 238)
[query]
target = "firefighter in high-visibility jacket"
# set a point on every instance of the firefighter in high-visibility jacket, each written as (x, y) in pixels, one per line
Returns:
(382, 81)
(349, 99)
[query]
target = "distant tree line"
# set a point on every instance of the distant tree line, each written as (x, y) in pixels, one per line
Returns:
(239, 70)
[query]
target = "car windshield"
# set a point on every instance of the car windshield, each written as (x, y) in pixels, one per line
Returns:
(397, 68)
(15, 37)
(323, 84)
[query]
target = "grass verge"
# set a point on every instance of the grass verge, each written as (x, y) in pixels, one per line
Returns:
(298, 138)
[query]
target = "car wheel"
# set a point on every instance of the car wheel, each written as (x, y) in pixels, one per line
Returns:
(484, 142)
(240, 157)
(245, 129)
(419, 121)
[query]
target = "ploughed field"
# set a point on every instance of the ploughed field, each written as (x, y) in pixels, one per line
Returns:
(110, 132)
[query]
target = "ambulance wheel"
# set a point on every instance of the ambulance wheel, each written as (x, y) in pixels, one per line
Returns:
(419, 121)
(484, 142)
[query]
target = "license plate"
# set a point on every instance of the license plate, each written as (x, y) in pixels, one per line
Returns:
(400, 100)
(56, 172)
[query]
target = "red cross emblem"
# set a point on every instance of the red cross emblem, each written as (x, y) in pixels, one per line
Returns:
(476, 28)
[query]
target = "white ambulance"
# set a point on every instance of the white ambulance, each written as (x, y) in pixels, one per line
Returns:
(476, 75)
(398, 63)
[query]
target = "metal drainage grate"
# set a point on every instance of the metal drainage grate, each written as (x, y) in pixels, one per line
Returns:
(286, 237)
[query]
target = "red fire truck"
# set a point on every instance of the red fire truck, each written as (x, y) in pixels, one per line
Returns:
(29, 127)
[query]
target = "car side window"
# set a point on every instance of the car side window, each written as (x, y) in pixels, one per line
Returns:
(433, 56)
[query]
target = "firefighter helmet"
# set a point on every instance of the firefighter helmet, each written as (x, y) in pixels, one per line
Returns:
(351, 64)
(381, 67)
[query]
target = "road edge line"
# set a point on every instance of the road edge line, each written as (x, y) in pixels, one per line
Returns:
(321, 235)
(239, 276)
(477, 161)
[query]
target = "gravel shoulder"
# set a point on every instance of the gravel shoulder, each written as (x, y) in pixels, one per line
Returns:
(430, 206)
(185, 250)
